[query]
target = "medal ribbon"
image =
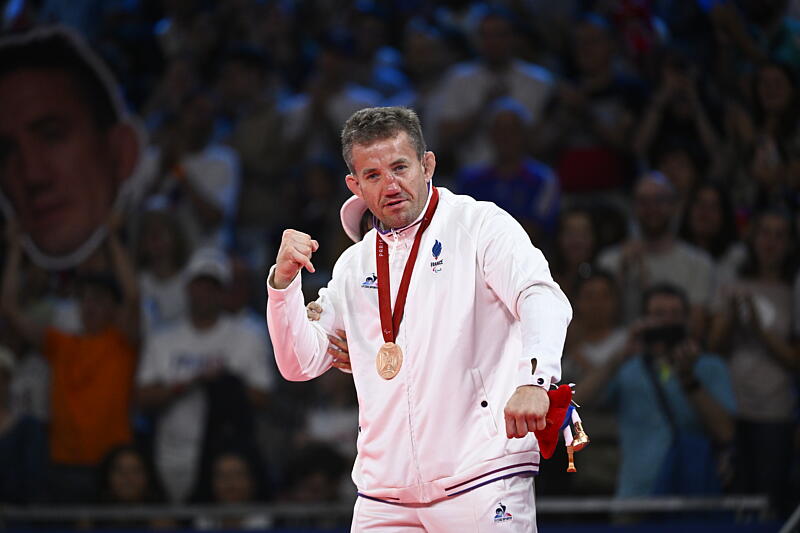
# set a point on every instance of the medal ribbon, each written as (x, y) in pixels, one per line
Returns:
(390, 321)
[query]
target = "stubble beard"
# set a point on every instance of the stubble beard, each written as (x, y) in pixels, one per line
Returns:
(401, 220)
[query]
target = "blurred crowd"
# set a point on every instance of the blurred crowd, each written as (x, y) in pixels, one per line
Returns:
(650, 148)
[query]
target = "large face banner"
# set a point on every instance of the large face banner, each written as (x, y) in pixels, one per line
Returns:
(68, 149)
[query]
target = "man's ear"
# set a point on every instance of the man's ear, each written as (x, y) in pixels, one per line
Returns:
(428, 165)
(352, 184)
(125, 150)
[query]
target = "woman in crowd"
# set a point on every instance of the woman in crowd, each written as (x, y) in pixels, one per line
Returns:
(236, 479)
(576, 247)
(753, 327)
(765, 138)
(709, 223)
(127, 478)
(594, 336)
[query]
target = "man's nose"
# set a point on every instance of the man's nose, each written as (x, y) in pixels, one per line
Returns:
(392, 185)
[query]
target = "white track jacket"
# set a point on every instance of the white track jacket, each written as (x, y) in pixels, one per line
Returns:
(481, 305)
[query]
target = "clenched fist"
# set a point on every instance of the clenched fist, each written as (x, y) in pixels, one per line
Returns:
(294, 254)
(526, 411)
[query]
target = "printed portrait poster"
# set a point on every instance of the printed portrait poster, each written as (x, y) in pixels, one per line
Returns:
(68, 147)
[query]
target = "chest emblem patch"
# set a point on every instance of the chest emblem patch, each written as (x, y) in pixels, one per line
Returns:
(436, 264)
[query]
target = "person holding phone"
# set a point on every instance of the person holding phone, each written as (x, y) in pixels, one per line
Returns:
(666, 392)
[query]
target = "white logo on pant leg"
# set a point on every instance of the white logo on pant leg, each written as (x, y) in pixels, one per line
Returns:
(501, 515)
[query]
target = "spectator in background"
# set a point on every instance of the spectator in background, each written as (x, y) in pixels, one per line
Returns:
(576, 246)
(376, 63)
(312, 119)
(673, 403)
(66, 145)
(30, 381)
(189, 28)
(593, 338)
(278, 29)
(237, 299)
(161, 253)
(23, 446)
(315, 473)
(595, 333)
(248, 92)
(759, 30)
(775, 109)
(177, 81)
(194, 176)
(333, 417)
(709, 223)
(189, 369)
(769, 171)
(91, 372)
(656, 255)
(754, 326)
(426, 56)
(516, 182)
(236, 479)
(470, 89)
(677, 112)
(777, 103)
(588, 128)
(764, 140)
(127, 478)
(680, 163)
(312, 202)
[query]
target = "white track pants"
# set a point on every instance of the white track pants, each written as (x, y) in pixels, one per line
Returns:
(504, 506)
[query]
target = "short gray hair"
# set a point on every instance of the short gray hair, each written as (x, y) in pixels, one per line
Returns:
(379, 123)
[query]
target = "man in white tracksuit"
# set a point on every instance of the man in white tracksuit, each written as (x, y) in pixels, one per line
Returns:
(455, 330)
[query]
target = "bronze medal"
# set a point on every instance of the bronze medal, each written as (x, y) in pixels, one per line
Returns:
(390, 356)
(389, 360)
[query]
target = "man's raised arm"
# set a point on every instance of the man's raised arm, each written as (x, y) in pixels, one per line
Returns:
(300, 345)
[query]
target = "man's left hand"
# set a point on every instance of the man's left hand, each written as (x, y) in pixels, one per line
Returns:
(526, 411)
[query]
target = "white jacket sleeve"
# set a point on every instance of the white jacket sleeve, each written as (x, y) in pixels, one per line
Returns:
(300, 345)
(519, 275)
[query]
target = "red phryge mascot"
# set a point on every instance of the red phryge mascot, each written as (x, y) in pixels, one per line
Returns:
(561, 414)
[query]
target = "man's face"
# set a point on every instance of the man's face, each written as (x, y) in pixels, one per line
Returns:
(706, 214)
(56, 166)
(577, 239)
(774, 89)
(232, 480)
(496, 40)
(666, 310)
(654, 205)
(596, 302)
(771, 240)
(592, 48)
(128, 478)
(507, 133)
(391, 180)
(205, 297)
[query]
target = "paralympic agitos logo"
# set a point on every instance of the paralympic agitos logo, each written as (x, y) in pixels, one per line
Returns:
(436, 264)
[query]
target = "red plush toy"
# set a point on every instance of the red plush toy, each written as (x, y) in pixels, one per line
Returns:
(561, 413)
